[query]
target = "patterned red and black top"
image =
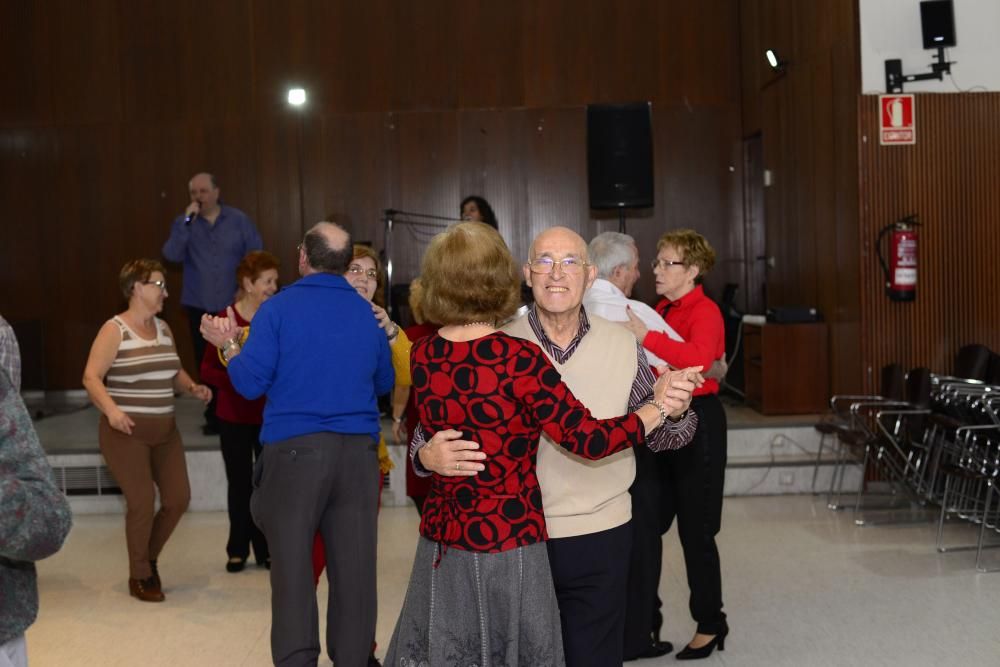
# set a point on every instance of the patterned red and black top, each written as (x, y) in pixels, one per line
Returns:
(501, 392)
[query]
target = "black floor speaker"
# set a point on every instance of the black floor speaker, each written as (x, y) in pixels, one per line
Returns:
(620, 155)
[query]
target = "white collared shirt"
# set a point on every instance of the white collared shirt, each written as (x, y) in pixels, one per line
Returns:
(606, 300)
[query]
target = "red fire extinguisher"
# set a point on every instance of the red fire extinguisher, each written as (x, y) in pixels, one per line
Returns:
(901, 270)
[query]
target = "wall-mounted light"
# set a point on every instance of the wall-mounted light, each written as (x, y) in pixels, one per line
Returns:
(296, 96)
(774, 60)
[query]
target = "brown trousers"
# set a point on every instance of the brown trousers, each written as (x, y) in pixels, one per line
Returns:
(152, 455)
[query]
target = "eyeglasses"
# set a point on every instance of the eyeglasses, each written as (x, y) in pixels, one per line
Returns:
(569, 265)
(358, 270)
(162, 284)
(665, 263)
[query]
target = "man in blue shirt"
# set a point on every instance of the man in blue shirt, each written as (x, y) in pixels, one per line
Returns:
(210, 239)
(320, 357)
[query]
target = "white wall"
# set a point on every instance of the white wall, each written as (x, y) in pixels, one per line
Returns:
(891, 29)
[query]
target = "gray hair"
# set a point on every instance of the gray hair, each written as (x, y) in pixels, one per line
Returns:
(610, 250)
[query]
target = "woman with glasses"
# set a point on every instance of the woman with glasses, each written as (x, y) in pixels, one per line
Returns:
(481, 591)
(240, 419)
(132, 374)
(692, 478)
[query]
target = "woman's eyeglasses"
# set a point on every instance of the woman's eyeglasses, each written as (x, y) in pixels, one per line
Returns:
(665, 263)
(357, 270)
(162, 284)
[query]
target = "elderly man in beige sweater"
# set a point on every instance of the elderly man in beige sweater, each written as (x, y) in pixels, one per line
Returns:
(587, 505)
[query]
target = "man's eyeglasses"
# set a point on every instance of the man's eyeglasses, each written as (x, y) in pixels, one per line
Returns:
(358, 270)
(162, 284)
(569, 265)
(665, 263)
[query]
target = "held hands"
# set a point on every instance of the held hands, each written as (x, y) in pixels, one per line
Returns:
(673, 388)
(121, 422)
(449, 456)
(635, 325)
(217, 330)
(193, 209)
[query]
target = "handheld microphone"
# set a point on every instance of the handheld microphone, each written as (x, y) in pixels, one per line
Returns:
(189, 217)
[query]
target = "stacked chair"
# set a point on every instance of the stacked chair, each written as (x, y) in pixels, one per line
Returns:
(934, 440)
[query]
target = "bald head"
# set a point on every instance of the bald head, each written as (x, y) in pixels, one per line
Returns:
(563, 238)
(559, 292)
(326, 248)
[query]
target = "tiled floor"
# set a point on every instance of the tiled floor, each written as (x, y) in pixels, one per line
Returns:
(803, 586)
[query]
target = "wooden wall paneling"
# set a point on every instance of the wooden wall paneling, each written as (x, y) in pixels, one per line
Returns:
(561, 47)
(186, 59)
(278, 203)
(492, 145)
(425, 55)
(751, 65)
(488, 50)
(627, 53)
(555, 166)
(949, 179)
(25, 63)
(699, 56)
(356, 172)
(79, 275)
(699, 186)
(812, 168)
(423, 147)
(846, 373)
(85, 70)
(27, 158)
(317, 46)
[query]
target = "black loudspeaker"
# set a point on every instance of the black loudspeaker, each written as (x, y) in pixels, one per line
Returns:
(937, 23)
(620, 155)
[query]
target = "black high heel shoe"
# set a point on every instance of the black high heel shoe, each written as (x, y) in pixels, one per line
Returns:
(698, 653)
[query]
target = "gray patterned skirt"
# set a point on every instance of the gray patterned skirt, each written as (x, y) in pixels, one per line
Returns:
(478, 610)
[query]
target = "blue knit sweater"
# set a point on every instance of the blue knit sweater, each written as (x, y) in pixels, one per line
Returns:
(317, 352)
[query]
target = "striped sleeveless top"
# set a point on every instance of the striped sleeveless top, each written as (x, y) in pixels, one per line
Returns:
(141, 378)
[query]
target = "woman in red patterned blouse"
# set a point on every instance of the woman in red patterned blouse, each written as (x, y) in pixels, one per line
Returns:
(481, 591)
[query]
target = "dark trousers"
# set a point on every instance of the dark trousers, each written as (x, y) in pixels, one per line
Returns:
(240, 449)
(692, 480)
(326, 482)
(590, 573)
(641, 611)
(198, 342)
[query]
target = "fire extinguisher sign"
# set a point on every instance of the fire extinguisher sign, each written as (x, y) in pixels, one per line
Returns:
(896, 121)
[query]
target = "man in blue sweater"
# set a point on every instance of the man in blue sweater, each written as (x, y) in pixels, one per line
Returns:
(321, 359)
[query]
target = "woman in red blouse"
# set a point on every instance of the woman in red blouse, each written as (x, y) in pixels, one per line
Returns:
(481, 591)
(239, 418)
(692, 477)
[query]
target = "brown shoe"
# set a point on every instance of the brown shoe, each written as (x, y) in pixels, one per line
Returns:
(145, 589)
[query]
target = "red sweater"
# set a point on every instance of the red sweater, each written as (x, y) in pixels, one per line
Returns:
(229, 404)
(501, 392)
(699, 322)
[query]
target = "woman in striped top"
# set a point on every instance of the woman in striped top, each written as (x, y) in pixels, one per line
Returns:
(132, 374)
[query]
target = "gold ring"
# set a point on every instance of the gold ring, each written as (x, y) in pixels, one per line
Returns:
(458, 466)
